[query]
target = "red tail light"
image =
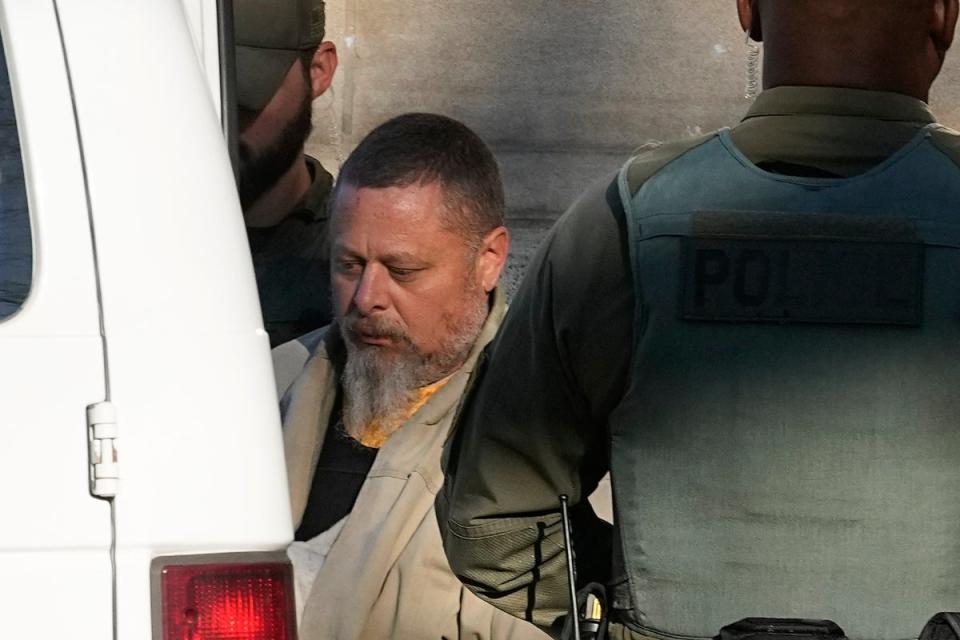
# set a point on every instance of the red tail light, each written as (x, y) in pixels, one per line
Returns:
(227, 601)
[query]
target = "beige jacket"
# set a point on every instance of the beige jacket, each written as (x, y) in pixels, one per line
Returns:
(386, 575)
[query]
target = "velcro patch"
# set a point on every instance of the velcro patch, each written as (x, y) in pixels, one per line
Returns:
(814, 268)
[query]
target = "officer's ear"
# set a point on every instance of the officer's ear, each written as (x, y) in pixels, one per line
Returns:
(323, 65)
(749, 12)
(943, 24)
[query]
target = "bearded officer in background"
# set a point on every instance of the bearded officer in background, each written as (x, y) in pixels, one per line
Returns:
(283, 63)
(757, 332)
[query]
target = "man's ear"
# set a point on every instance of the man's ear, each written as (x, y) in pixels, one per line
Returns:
(322, 67)
(749, 12)
(943, 24)
(492, 257)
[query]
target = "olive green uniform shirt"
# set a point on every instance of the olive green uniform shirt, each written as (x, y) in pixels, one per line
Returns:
(291, 261)
(536, 424)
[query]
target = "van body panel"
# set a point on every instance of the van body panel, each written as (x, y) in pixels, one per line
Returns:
(203, 21)
(63, 594)
(201, 459)
(55, 542)
(146, 299)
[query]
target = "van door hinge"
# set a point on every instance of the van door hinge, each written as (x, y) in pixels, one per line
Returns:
(102, 437)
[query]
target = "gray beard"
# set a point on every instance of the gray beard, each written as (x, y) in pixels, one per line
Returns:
(379, 387)
(374, 391)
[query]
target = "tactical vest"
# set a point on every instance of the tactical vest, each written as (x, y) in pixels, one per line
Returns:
(789, 446)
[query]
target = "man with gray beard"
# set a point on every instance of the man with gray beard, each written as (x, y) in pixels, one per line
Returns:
(417, 248)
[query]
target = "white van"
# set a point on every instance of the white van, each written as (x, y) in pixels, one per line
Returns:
(140, 434)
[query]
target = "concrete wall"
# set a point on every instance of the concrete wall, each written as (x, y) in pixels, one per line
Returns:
(562, 90)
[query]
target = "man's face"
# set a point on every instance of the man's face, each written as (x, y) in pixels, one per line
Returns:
(407, 292)
(410, 297)
(272, 139)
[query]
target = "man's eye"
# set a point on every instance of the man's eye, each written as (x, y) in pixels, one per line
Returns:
(399, 273)
(344, 266)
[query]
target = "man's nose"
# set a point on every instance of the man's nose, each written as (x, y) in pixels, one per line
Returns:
(371, 294)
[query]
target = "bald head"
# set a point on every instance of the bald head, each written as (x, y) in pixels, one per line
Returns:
(881, 45)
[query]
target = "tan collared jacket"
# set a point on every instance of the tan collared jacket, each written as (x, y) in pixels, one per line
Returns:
(386, 575)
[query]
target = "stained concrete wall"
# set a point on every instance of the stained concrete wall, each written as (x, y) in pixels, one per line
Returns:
(562, 90)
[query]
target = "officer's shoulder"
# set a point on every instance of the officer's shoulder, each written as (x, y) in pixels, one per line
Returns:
(947, 140)
(652, 157)
(290, 357)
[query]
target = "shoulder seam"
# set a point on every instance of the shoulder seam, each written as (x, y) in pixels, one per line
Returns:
(939, 140)
(637, 175)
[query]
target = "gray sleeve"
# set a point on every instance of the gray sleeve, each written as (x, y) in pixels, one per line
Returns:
(535, 425)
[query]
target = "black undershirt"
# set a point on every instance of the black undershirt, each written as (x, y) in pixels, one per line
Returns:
(341, 470)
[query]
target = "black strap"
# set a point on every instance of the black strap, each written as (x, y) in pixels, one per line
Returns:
(781, 629)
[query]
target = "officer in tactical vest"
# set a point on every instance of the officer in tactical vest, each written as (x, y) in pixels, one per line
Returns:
(758, 333)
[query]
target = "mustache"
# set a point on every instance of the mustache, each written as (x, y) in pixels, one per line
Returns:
(378, 327)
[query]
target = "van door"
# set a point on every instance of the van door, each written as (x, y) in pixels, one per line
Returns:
(201, 462)
(55, 537)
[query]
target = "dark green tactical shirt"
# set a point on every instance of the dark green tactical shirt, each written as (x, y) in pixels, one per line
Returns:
(536, 423)
(292, 264)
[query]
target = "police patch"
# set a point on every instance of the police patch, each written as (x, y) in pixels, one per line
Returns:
(814, 268)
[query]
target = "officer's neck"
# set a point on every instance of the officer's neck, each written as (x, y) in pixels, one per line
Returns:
(279, 200)
(787, 79)
(787, 63)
